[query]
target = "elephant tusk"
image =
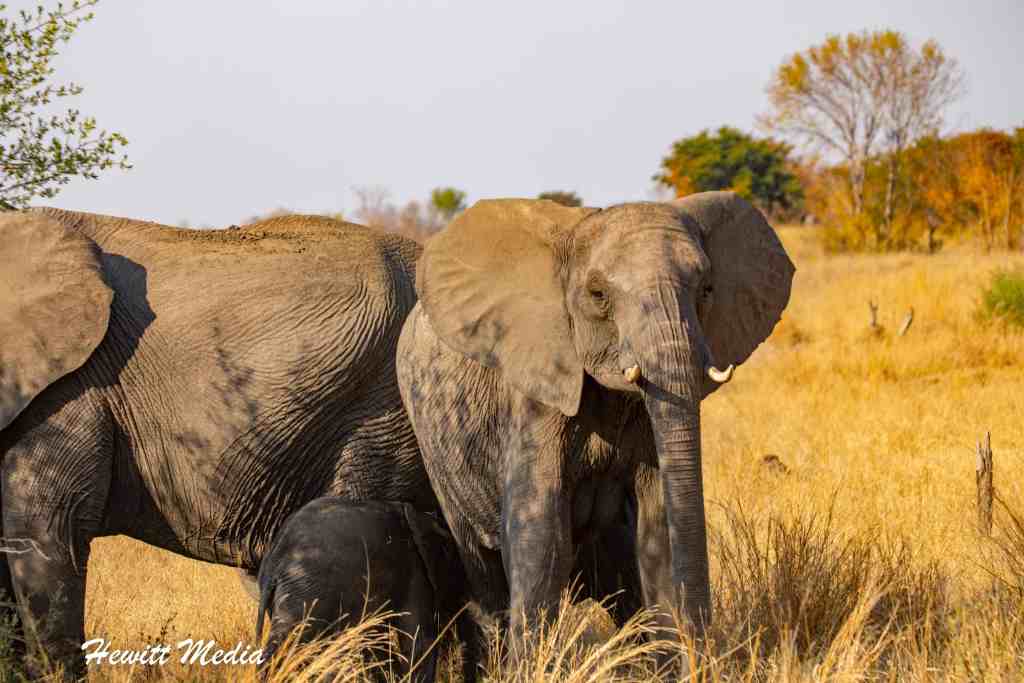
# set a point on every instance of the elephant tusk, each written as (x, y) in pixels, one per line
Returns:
(720, 376)
(632, 374)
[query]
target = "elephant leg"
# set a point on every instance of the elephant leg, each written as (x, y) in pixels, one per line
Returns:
(55, 484)
(606, 561)
(417, 630)
(417, 636)
(607, 568)
(654, 559)
(654, 556)
(9, 619)
(536, 548)
(295, 606)
(472, 635)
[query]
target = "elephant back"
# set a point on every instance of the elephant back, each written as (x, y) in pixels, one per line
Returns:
(66, 276)
(293, 233)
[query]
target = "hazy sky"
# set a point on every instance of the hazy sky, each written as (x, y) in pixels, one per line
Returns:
(233, 108)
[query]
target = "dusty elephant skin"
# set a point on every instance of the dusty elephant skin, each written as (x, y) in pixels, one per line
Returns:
(190, 389)
(334, 560)
(553, 370)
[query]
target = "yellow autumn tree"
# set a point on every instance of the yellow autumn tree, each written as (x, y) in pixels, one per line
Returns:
(992, 168)
(860, 98)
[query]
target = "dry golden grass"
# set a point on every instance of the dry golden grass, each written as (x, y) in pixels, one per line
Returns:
(861, 562)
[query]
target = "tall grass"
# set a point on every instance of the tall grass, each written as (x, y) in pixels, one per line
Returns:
(859, 561)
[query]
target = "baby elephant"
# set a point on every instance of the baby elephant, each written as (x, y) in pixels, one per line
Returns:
(333, 558)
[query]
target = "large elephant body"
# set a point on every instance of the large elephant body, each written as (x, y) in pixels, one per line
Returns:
(190, 389)
(553, 370)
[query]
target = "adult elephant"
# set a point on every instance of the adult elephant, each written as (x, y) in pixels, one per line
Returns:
(553, 370)
(190, 389)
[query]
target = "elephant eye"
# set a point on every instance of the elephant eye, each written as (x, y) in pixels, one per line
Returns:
(598, 293)
(707, 291)
(596, 287)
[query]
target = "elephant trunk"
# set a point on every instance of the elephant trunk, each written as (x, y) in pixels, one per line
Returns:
(673, 362)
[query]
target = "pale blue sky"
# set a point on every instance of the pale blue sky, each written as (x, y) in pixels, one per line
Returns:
(234, 108)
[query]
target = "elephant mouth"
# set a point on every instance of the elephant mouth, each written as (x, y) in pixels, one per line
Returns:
(617, 380)
(630, 378)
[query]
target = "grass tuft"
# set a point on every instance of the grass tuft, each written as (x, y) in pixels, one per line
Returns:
(1003, 298)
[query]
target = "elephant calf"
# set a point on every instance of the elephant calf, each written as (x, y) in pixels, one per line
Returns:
(334, 559)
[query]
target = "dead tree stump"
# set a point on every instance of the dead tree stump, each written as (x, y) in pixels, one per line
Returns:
(983, 483)
(873, 307)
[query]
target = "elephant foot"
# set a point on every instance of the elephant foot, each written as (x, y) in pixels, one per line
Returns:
(56, 661)
(12, 636)
(51, 604)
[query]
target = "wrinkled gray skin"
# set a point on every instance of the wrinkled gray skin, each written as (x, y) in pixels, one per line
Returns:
(547, 462)
(318, 565)
(190, 389)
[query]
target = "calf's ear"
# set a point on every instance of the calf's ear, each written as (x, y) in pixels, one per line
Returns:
(433, 543)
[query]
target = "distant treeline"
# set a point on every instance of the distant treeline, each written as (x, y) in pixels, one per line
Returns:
(866, 109)
(963, 186)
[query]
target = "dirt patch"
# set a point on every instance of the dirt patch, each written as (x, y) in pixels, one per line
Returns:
(292, 228)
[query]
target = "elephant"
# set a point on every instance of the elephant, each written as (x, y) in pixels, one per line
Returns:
(334, 560)
(190, 389)
(553, 369)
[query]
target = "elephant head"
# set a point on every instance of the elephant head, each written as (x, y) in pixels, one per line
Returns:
(646, 298)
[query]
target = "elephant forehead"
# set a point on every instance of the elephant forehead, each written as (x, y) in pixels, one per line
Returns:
(631, 258)
(629, 217)
(616, 223)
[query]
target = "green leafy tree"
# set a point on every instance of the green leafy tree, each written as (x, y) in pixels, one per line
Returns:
(729, 159)
(41, 150)
(563, 198)
(447, 201)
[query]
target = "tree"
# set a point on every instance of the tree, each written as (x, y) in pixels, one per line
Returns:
(992, 172)
(966, 185)
(561, 197)
(448, 201)
(862, 94)
(917, 88)
(373, 205)
(729, 159)
(415, 220)
(41, 151)
(935, 189)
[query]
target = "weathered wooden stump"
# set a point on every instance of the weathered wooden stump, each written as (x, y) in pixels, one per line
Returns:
(905, 325)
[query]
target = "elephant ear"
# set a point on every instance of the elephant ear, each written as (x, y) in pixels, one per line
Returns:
(751, 273)
(54, 306)
(433, 544)
(490, 286)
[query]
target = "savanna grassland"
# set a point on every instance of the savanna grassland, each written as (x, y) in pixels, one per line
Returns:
(861, 562)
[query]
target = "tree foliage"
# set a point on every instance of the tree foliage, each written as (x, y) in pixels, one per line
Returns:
(565, 198)
(964, 186)
(40, 150)
(414, 219)
(729, 159)
(861, 95)
(448, 201)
